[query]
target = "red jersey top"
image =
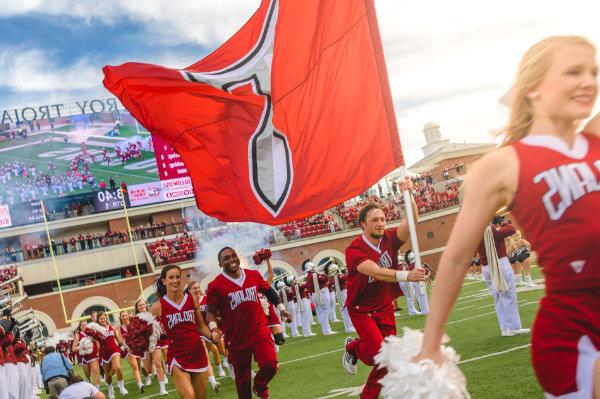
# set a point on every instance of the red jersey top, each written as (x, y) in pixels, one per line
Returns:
(239, 306)
(1, 357)
(21, 352)
(9, 355)
(322, 279)
(500, 233)
(304, 290)
(557, 203)
(291, 294)
(180, 324)
(365, 294)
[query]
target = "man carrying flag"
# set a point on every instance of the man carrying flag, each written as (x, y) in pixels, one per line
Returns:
(373, 285)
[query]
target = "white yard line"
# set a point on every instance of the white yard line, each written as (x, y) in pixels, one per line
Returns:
(474, 359)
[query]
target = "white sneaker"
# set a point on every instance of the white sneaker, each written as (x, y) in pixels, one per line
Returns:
(312, 334)
(222, 373)
(511, 333)
(349, 360)
(252, 373)
(530, 283)
(111, 392)
(351, 330)
(123, 391)
(331, 332)
(216, 386)
(163, 392)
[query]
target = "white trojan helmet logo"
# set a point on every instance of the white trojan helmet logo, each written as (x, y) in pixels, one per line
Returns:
(269, 155)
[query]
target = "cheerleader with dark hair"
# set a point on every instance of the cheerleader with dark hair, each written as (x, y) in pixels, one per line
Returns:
(131, 358)
(110, 357)
(153, 359)
(180, 314)
(86, 349)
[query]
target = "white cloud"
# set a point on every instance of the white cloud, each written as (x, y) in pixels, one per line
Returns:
(448, 62)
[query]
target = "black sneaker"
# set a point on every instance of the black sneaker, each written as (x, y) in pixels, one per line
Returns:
(349, 360)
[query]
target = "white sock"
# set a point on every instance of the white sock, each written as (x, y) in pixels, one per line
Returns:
(211, 379)
(219, 368)
(161, 385)
(120, 384)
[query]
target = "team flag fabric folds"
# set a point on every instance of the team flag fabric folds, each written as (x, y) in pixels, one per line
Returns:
(291, 116)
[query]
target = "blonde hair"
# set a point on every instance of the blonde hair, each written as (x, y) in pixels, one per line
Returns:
(532, 70)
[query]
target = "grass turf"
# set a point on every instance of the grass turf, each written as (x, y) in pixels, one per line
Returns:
(311, 368)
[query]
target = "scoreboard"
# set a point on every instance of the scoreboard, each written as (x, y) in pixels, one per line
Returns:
(110, 200)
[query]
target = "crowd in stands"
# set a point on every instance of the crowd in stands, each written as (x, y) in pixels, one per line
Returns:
(182, 248)
(7, 273)
(318, 224)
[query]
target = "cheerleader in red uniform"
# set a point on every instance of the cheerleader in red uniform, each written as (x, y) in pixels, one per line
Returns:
(131, 358)
(88, 361)
(180, 314)
(548, 176)
(110, 357)
(193, 288)
(10, 365)
(153, 359)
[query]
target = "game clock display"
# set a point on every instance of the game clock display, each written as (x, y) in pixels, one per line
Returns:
(110, 200)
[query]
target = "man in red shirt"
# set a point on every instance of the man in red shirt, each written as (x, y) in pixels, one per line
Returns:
(233, 295)
(373, 284)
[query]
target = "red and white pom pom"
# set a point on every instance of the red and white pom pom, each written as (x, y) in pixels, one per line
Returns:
(261, 255)
(86, 346)
(96, 331)
(423, 380)
(144, 331)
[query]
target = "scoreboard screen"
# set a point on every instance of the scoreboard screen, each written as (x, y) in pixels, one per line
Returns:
(110, 200)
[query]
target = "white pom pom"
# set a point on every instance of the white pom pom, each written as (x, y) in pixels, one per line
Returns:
(423, 380)
(86, 346)
(103, 331)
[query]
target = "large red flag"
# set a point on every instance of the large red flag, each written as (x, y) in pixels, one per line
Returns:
(291, 116)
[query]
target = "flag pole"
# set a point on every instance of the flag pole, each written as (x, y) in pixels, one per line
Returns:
(412, 227)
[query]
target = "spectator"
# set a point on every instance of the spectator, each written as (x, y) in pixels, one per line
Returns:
(78, 389)
(102, 185)
(112, 183)
(55, 369)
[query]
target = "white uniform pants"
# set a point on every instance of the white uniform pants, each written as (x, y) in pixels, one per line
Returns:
(281, 323)
(412, 291)
(332, 300)
(322, 308)
(295, 318)
(306, 316)
(3, 383)
(507, 309)
(348, 327)
(12, 380)
(25, 390)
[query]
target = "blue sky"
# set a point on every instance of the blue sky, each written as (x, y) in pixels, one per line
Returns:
(448, 62)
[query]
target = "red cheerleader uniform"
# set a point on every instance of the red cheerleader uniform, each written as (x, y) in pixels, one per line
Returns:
(92, 356)
(185, 346)
(108, 347)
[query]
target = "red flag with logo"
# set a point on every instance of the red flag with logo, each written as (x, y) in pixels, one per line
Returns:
(289, 117)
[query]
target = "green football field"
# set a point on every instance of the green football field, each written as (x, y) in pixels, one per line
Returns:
(60, 153)
(495, 366)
